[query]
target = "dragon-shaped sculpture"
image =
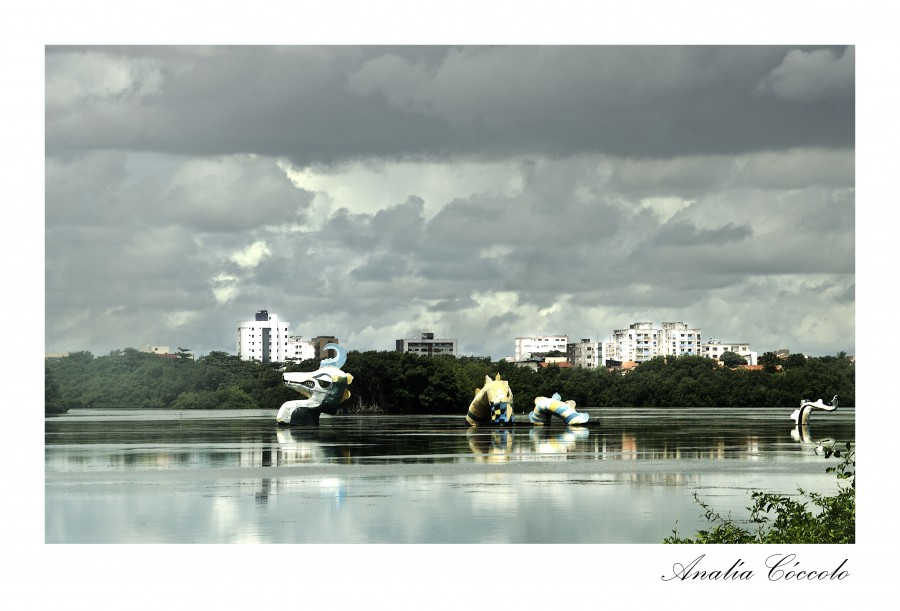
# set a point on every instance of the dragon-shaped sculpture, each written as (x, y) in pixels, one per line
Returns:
(325, 389)
(493, 403)
(801, 416)
(544, 407)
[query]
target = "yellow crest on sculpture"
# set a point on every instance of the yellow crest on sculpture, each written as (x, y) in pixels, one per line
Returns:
(497, 390)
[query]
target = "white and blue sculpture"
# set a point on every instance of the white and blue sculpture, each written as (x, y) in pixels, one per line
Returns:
(545, 407)
(801, 416)
(324, 390)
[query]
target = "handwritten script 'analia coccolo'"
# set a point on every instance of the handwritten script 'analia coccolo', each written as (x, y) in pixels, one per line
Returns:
(780, 567)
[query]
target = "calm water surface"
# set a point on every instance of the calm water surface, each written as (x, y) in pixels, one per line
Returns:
(162, 476)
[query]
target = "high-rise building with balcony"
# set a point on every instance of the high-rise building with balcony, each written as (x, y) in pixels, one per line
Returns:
(264, 339)
(584, 353)
(641, 342)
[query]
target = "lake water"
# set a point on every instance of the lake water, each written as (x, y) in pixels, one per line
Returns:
(155, 476)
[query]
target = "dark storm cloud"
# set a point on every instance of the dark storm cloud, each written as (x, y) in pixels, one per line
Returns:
(483, 193)
(686, 234)
(324, 104)
(228, 194)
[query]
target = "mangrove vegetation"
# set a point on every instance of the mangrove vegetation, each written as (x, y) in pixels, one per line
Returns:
(400, 383)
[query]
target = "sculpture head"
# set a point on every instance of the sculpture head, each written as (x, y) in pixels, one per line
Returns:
(493, 402)
(326, 387)
(498, 393)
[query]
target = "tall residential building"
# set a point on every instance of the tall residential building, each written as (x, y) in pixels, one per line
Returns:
(264, 339)
(676, 339)
(584, 354)
(427, 345)
(540, 344)
(641, 342)
(636, 343)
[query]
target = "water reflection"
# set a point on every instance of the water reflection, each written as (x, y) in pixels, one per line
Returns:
(91, 442)
(803, 434)
(547, 441)
(627, 477)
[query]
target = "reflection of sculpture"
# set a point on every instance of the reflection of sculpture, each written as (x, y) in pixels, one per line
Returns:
(325, 389)
(801, 433)
(801, 416)
(545, 441)
(493, 403)
(544, 407)
(490, 447)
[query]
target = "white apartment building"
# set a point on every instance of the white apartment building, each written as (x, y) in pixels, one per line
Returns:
(539, 344)
(264, 339)
(427, 345)
(641, 342)
(676, 339)
(299, 349)
(584, 353)
(715, 349)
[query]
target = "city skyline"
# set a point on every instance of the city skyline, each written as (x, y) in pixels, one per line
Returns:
(478, 192)
(600, 339)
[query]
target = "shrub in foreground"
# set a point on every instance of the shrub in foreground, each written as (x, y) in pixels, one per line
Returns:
(776, 518)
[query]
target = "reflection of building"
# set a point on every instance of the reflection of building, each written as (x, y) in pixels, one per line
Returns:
(264, 339)
(541, 344)
(427, 345)
(641, 342)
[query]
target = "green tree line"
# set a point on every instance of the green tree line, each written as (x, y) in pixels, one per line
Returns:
(399, 383)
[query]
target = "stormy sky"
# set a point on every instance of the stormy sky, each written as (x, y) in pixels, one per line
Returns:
(481, 193)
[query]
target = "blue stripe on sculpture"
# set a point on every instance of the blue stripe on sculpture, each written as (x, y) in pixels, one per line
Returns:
(545, 406)
(336, 361)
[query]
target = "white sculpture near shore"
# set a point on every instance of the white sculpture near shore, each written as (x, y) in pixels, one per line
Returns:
(325, 389)
(801, 416)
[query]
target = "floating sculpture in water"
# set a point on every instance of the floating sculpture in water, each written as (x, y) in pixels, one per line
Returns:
(801, 416)
(325, 389)
(493, 403)
(545, 407)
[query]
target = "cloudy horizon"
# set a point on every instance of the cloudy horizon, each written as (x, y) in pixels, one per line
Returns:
(481, 193)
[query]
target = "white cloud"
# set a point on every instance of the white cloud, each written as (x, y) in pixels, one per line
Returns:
(180, 318)
(251, 255)
(665, 207)
(224, 287)
(79, 76)
(369, 186)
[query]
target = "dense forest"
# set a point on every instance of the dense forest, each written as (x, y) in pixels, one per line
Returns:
(398, 383)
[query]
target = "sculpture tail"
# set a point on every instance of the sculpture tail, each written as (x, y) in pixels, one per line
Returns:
(339, 358)
(544, 407)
